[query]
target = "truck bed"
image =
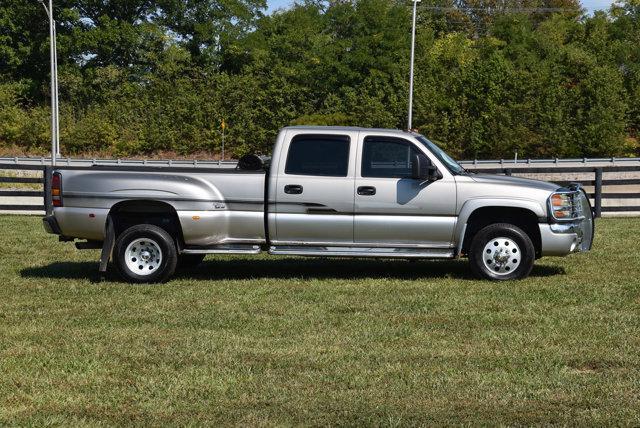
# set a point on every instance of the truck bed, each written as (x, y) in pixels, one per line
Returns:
(214, 206)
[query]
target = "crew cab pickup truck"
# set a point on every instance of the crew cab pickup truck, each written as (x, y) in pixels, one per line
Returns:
(326, 191)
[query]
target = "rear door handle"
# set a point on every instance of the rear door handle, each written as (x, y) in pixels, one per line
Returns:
(366, 190)
(293, 189)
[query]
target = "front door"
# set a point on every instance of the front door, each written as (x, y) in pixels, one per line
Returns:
(393, 209)
(314, 190)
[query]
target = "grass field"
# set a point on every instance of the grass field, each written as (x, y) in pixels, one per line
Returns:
(288, 341)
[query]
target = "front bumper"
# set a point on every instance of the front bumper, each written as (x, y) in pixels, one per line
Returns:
(560, 239)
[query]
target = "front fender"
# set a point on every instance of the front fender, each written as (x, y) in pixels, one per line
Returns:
(472, 205)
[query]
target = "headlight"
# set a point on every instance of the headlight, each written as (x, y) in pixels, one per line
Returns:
(566, 206)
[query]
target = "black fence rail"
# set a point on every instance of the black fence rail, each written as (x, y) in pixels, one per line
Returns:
(597, 182)
(21, 193)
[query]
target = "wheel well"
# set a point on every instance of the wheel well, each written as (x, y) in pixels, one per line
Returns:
(523, 218)
(130, 213)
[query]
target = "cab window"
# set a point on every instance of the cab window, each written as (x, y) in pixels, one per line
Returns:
(323, 155)
(387, 157)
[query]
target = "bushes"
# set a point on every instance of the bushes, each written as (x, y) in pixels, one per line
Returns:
(553, 86)
(541, 92)
(23, 126)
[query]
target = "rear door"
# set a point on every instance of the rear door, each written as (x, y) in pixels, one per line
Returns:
(393, 209)
(315, 188)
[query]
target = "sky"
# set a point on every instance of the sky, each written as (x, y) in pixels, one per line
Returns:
(590, 5)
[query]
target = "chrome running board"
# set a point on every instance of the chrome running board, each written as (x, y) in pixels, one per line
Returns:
(422, 253)
(223, 249)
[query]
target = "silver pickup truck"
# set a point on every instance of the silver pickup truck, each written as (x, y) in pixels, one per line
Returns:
(326, 191)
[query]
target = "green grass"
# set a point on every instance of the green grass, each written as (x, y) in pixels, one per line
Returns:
(288, 341)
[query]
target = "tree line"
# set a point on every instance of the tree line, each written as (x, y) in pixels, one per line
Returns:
(145, 77)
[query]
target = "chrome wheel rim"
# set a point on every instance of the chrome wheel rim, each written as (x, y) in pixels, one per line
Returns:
(143, 256)
(501, 256)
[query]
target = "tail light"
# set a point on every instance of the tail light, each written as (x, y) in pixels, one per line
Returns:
(56, 189)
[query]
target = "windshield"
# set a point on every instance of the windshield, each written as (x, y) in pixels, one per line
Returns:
(442, 156)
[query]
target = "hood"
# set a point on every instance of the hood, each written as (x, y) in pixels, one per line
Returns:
(506, 180)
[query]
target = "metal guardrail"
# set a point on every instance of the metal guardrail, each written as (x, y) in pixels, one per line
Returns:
(23, 160)
(597, 181)
(44, 161)
(558, 161)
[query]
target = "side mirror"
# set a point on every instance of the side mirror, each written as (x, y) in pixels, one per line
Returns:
(423, 169)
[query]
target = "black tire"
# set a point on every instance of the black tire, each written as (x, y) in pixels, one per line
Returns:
(501, 269)
(189, 261)
(158, 241)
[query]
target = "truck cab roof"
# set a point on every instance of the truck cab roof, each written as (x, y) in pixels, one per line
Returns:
(345, 129)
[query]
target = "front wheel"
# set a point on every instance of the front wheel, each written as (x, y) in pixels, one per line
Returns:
(501, 251)
(145, 253)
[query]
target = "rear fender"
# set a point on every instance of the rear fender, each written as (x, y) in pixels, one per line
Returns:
(104, 189)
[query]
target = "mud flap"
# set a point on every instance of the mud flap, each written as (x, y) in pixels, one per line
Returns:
(107, 245)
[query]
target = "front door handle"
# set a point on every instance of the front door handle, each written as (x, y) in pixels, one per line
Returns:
(293, 189)
(366, 190)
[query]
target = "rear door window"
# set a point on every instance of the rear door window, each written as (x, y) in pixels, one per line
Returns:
(323, 155)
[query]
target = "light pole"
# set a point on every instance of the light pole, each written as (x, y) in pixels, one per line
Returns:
(223, 125)
(55, 122)
(413, 48)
